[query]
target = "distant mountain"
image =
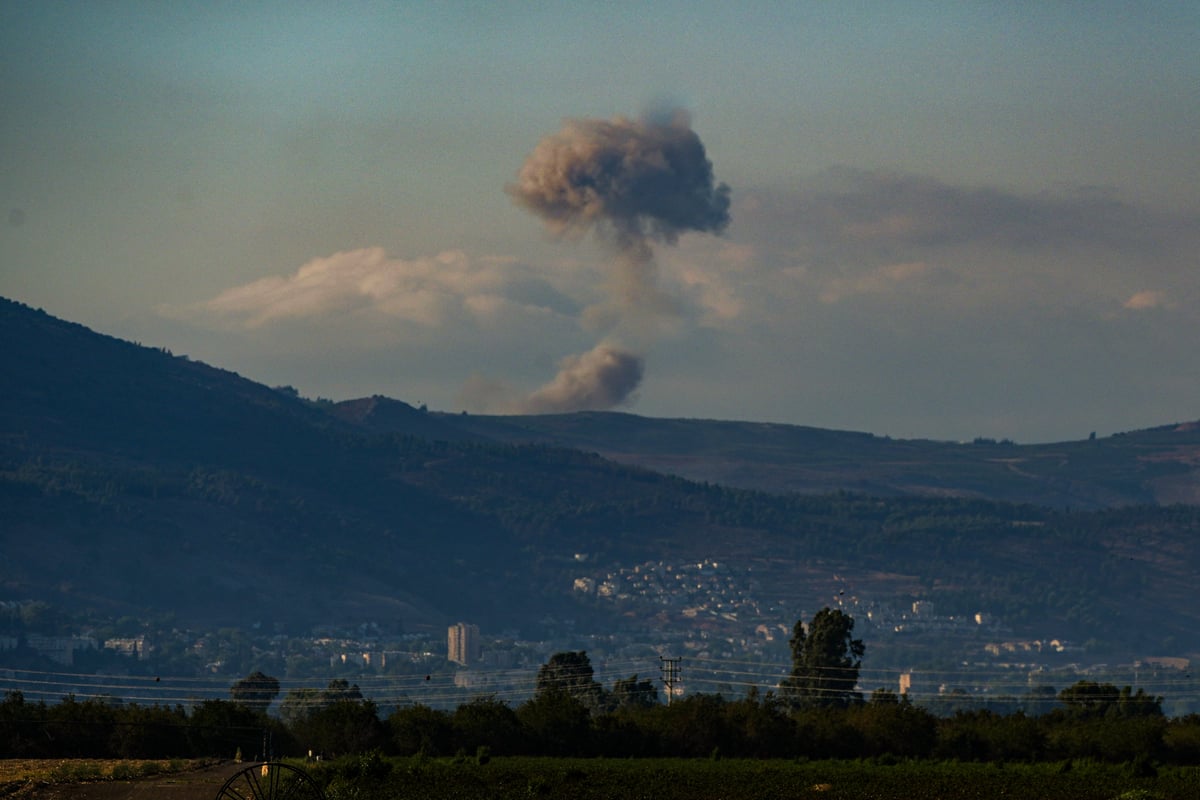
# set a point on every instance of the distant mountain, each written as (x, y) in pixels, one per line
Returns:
(1156, 466)
(135, 482)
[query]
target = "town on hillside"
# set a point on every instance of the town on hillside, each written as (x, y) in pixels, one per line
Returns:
(709, 625)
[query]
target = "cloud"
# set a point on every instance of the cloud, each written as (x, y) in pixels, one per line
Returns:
(424, 292)
(887, 278)
(856, 296)
(1147, 299)
(947, 309)
(893, 209)
(864, 212)
(849, 233)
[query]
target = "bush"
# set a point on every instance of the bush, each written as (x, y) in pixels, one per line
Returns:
(1143, 767)
(76, 771)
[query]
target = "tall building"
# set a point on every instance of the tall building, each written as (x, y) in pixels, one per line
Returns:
(462, 642)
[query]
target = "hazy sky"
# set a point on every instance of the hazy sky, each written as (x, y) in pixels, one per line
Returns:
(943, 220)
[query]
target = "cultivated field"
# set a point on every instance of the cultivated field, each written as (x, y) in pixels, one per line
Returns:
(735, 779)
(464, 778)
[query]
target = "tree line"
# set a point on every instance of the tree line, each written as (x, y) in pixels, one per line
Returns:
(817, 713)
(1095, 721)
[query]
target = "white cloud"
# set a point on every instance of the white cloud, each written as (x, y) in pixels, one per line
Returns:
(426, 292)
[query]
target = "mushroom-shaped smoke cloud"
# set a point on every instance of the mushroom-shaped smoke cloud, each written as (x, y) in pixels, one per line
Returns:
(632, 183)
(638, 180)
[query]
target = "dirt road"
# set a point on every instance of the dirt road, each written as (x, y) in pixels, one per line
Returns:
(201, 784)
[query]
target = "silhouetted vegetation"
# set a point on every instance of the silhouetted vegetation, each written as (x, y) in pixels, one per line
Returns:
(1125, 728)
(825, 661)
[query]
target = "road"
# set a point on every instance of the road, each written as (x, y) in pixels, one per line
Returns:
(201, 784)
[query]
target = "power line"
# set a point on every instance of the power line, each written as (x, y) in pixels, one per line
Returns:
(516, 685)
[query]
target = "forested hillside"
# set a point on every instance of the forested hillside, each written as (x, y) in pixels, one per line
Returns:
(1156, 466)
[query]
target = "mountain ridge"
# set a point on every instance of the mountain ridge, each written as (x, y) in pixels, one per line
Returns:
(1158, 465)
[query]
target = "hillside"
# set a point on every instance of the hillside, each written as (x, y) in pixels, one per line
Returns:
(1158, 466)
(137, 482)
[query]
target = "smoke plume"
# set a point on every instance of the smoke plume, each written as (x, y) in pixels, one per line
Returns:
(633, 180)
(602, 378)
(631, 183)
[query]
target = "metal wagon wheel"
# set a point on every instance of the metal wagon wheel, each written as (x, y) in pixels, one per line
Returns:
(271, 781)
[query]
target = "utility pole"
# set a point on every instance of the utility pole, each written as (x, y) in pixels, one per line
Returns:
(670, 674)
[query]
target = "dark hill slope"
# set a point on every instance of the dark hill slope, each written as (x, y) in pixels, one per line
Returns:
(1161, 465)
(380, 414)
(135, 479)
(73, 390)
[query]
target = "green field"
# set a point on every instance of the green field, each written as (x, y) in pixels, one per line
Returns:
(730, 779)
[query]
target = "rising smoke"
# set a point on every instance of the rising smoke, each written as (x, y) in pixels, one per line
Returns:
(634, 180)
(631, 183)
(601, 378)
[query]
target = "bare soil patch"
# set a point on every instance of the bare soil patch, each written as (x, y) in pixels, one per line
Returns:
(39, 780)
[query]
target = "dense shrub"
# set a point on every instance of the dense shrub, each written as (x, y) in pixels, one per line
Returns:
(555, 723)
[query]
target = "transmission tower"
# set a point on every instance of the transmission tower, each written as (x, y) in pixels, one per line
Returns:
(670, 675)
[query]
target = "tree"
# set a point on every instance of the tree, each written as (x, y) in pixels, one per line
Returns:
(300, 703)
(150, 732)
(557, 723)
(22, 727)
(336, 719)
(256, 691)
(421, 729)
(825, 661)
(1091, 699)
(297, 703)
(757, 726)
(488, 722)
(82, 727)
(221, 727)
(891, 725)
(570, 673)
(633, 693)
(341, 689)
(692, 726)
(343, 726)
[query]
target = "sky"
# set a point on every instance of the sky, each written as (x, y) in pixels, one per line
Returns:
(940, 220)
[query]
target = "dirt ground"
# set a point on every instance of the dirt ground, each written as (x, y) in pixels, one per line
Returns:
(202, 784)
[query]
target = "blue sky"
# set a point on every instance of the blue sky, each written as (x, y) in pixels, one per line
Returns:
(949, 220)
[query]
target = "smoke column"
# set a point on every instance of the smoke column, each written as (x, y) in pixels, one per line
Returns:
(601, 378)
(631, 183)
(638, 180)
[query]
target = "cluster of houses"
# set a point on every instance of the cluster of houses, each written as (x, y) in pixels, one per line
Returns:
(62, 649)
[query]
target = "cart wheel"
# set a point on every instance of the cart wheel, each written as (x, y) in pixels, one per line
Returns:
(271, 781)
